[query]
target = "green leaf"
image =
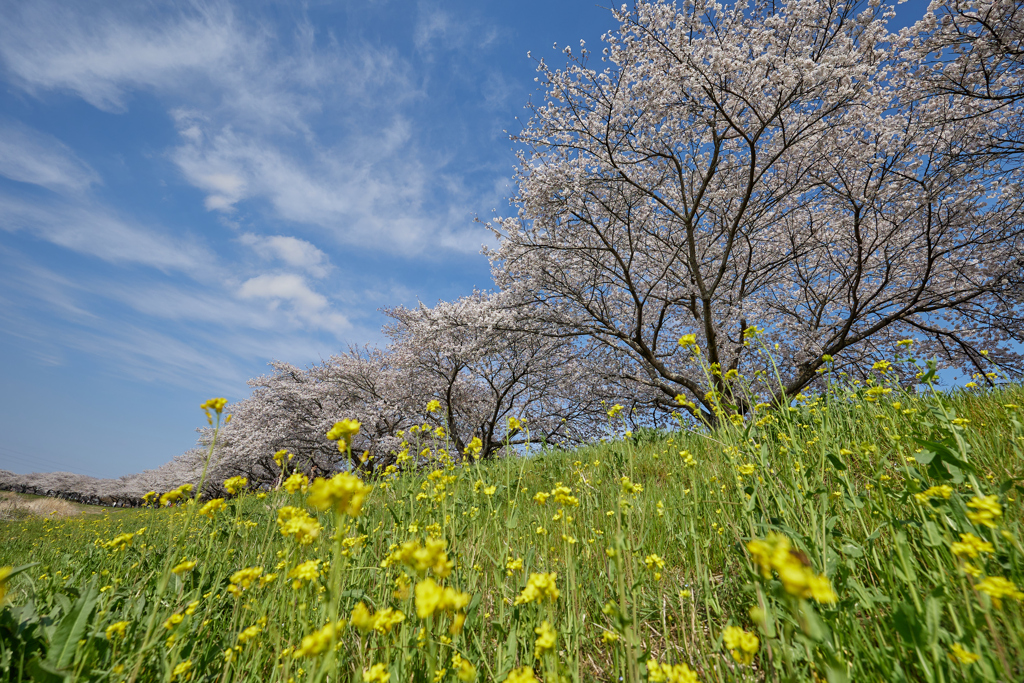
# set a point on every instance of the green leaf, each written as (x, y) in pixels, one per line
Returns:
(836, 462)
(71, 628)
(44, 673)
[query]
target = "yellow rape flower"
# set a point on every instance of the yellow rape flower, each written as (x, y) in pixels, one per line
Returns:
(175, 495)
(775, 553)
(304, 571)
(987, 510)
(214, 404)
(741, 644)
(173, 621)
(997, 588)
(319, 641)
(343, 493)
(523, 674)
(116, 630)
(433, 406)
(943, 491)
(615, 410)
(282, 456)
(546, 637)
(249, 633)
(182, 567)
(970, 545)
(296, 482)
(670, 673)
(464, 670)
(296, 522)
(182, 669)
(420, 558)
(378, 673)
(343, 431)
(212, 507)
(959, 654)
(539, 586)
(235, 484)
(430, 597)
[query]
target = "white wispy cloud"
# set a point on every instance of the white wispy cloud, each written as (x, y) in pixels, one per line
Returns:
(97, 231)
(30, 156)
(292, 251)
(248, 103)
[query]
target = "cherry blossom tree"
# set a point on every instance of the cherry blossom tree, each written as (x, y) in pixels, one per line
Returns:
(765, 164)
(493, 380)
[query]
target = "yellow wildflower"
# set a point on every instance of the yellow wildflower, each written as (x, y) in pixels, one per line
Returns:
(523, 674)
(433, 406)
(539, 586)
(541, 497)
(293, 521)
(361, 618)
(173, 621)
(970, 545)
(214, 404)
(304, 571)
(296, 482)
(430, 556)
(249, 633)
(464, 670)
(546, 637)
(746, 469)
(183, 668)
(116, 629)
(235, 484)
(987, 510)
(513, 565)
(943, 491)
(342, 432)
(175, 495)
(775, 553)
(182, 567)
(997, 588)
(670, 673)
(211, 507)
(319, 641)
(741, 644)
(959, 654)
(343, 492)
(378, 673)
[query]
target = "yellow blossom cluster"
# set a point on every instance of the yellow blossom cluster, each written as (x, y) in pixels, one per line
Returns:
(175, 495)
(986, 510)
(420, 558)
(546, 638)
(296, 482)
(538, 587)
(430, 598)
(242, 579)
(943, 491)
(381, 622)
(741, 644)
(211, 507)
(344, 493)
(319, 641)
(235, 484)
(304, 571)
(776, 553)
(298, 523)
(342, 432)
(670, 673)
(997, 588)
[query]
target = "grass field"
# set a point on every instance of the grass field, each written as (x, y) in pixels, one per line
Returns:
(863, 535)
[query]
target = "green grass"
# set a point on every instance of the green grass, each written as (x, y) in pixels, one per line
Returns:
(836, 475)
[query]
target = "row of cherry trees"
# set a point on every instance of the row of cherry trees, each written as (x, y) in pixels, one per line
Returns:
(460, 367)
(794, 166)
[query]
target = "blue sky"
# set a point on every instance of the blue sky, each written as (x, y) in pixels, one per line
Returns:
(189, 190)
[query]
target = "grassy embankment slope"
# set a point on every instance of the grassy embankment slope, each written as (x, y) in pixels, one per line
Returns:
(653, 549)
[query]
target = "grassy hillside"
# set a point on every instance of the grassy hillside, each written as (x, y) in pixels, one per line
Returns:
(866, 535)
